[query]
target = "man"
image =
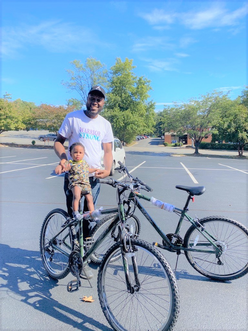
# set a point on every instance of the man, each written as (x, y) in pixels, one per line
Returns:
(93, 131)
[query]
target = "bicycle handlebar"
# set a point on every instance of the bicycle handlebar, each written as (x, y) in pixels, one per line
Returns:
(136, 180)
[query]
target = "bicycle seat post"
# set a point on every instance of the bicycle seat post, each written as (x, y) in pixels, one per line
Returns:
(185, 208)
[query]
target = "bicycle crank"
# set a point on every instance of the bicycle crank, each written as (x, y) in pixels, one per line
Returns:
(76, 266)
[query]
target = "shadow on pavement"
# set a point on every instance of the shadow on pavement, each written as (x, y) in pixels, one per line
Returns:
(22, 274)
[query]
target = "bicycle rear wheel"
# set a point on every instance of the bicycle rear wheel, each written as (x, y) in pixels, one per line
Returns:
(55, 249)
(231, 238)
(154, 306)
(132, 222)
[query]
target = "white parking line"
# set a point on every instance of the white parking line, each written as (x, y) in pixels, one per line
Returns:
(6, 157)
(245, 172)
(132, 170)
(55, 176)
(38, 158)
(38, 166)
(190, 174)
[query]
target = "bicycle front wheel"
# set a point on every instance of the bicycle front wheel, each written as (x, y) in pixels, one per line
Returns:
(54, 248)
(153, 305)
(133, 224)
(232, 239)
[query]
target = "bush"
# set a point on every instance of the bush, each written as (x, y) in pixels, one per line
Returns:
(227, 146)
(33, 142)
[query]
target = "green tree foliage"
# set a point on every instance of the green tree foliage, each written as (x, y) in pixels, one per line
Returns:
(126, 106)
(84, 76)
(10, 116)
(199, 117)
(168, 120)
(26, 111)
(233, 123)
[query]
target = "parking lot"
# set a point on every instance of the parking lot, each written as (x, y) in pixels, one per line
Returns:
(29, 190)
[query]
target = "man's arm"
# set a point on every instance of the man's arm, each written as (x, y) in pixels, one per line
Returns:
(61, 153)
(107, 161)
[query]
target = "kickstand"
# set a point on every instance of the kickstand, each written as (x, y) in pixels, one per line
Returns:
(178, 253)
(85, 277)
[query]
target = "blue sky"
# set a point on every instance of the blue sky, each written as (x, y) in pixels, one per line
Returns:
(185, 48)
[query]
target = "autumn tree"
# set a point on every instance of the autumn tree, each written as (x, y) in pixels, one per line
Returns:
(48, 117)
(127, 106)
(84, 76)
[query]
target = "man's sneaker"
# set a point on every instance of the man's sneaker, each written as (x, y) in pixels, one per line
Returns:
(86, 272)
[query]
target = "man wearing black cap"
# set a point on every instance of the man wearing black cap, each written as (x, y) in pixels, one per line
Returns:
(93, 131)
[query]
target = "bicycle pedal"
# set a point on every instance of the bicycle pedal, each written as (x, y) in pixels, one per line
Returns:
(73, 285)
(88, 242)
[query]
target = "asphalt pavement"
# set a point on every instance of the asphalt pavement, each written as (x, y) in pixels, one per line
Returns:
(31, 301)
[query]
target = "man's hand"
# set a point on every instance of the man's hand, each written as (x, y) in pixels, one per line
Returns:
(63, 166)
(102, 173)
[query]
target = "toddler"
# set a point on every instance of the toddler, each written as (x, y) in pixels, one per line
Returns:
(79, 179)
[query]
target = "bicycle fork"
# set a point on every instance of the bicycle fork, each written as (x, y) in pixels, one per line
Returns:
(129, 251)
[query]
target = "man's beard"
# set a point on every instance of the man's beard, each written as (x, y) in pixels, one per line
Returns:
(90, 113)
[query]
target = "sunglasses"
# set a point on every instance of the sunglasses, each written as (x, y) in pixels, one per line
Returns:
(94, 99)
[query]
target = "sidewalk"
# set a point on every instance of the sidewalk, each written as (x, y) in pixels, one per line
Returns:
(25, 138)
(185, 150)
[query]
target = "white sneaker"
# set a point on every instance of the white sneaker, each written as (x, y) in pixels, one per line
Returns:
(77, 215)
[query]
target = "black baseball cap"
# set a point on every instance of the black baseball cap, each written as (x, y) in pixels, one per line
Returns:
(97, 88)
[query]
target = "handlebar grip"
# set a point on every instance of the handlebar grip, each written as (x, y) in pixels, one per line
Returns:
(148, 188)
(109, 181)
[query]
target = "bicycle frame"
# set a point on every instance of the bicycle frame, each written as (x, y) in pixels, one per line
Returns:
(182, 213)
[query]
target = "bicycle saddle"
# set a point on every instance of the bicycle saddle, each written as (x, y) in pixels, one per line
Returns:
(192, 190)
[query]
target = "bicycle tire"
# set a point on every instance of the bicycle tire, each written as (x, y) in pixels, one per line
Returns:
(55, 262)
(232, 237)
(155, 306)
(108, 241)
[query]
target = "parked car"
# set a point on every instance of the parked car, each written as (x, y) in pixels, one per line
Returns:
(49, 136)
(118, 155)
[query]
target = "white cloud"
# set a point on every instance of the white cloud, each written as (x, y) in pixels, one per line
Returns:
(182, 55)
(158, 16)
(185, 42)
(215, 16)
(54, 36)
(211, 17)
(152, 43)
(228, 88)
(161, 65)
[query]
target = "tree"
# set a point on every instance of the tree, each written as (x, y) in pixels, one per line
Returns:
(233, 124)
(127, 107)
(244, 97)
(83, 77)
(26, 111)
(10, 118)
(49, 117)
(168, 120)
(199, 117)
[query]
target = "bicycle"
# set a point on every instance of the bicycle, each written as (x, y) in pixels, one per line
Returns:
(136, 286)
(214, 246)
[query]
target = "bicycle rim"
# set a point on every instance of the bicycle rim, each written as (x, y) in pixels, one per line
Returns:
(109, 240)
(231, 238)
(55, 262)
(154, 307)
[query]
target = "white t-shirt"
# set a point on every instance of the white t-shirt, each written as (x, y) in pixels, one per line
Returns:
(91, 132)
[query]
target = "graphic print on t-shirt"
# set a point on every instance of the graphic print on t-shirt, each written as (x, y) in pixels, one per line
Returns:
(89, 134)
